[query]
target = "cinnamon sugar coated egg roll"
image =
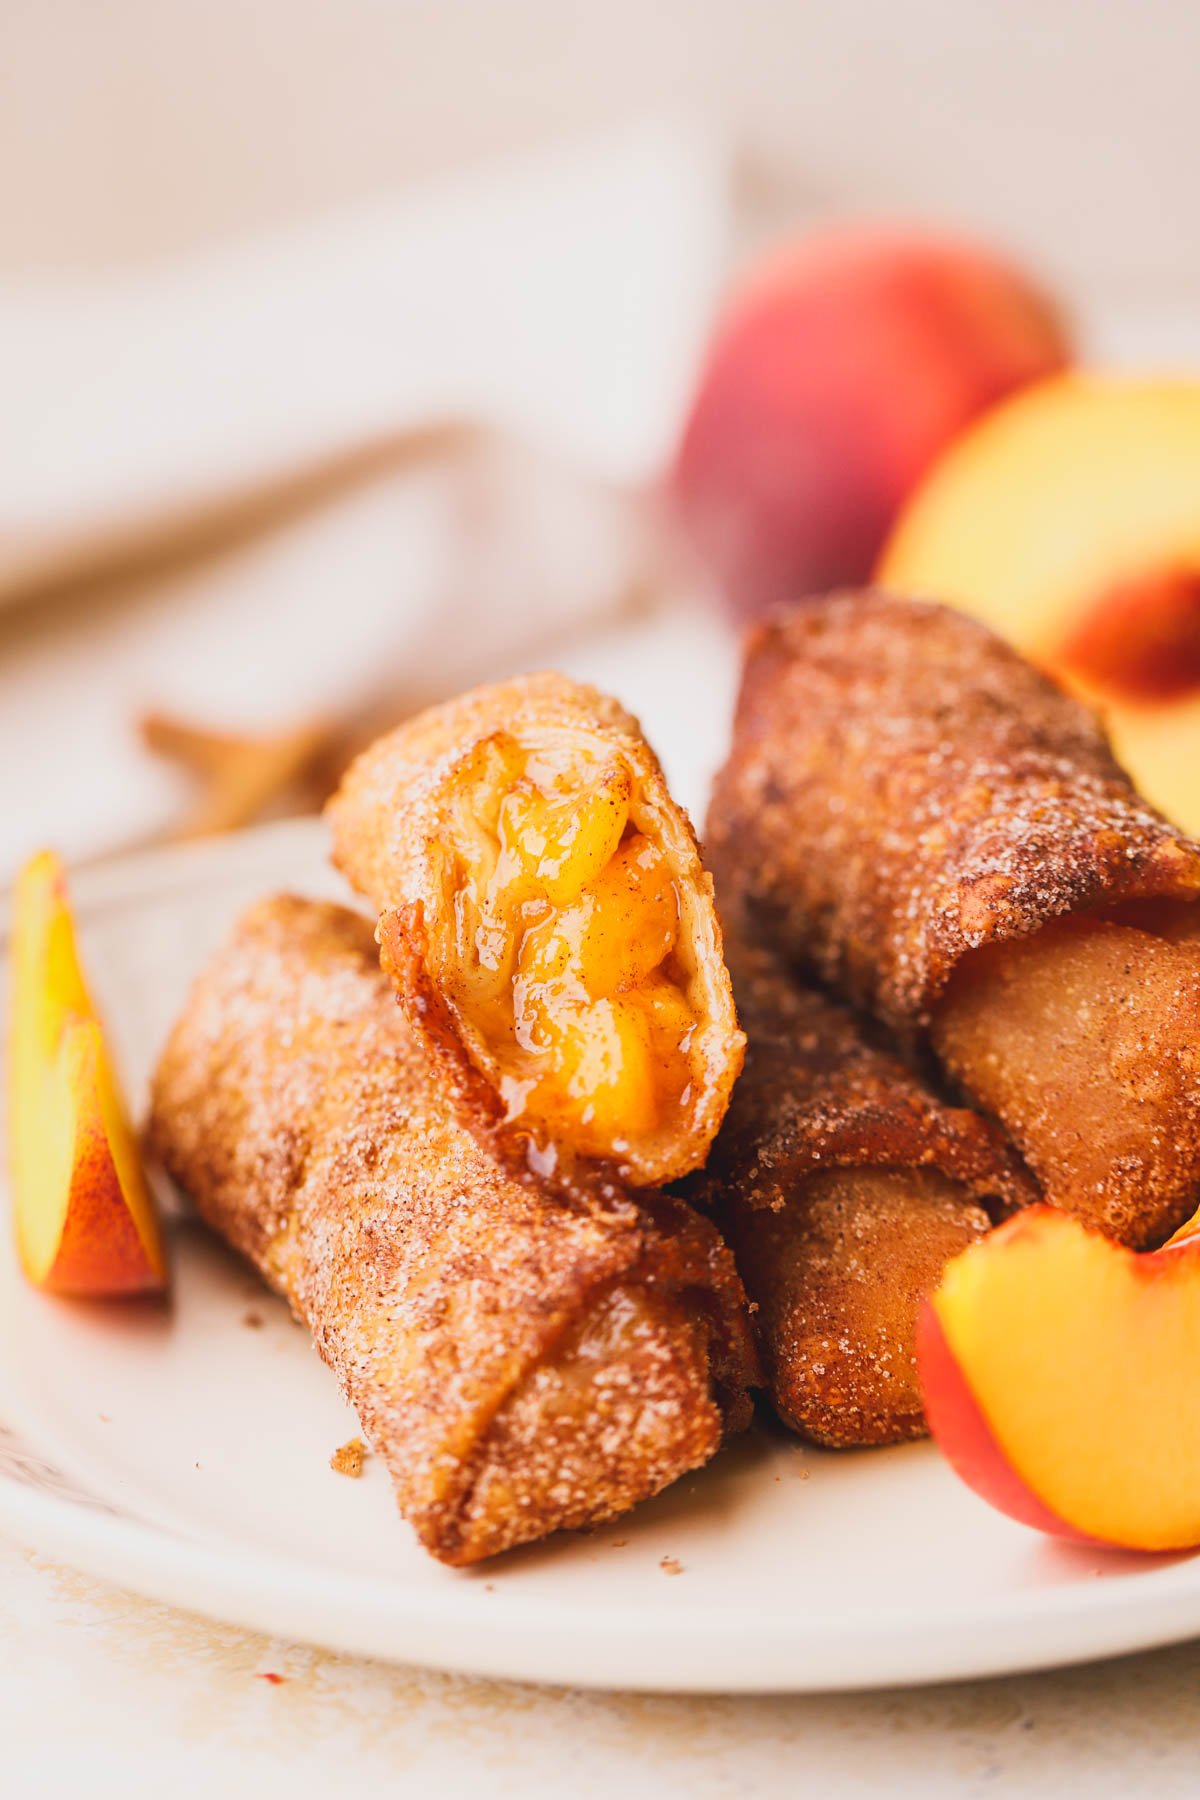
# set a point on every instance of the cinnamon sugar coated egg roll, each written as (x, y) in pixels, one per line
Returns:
(944, 837)
(843, 1187)
(548, 925)
(522, 1362)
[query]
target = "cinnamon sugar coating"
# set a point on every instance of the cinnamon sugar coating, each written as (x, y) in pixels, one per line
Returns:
(904, 788)
(817, 1093)
(843, 1186)
(522, 1362)
(1085, 1040)
(839, 1276)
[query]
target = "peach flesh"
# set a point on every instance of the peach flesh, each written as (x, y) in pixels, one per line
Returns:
(1056, 1366)
(967, 1441)
(1068, 519)
(89, 1243)
(83, 1217)
(566, 962)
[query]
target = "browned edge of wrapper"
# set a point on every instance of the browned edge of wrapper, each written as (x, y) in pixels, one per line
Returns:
(1034, 825)
(912, 1133)
(692, 1260)
(680, 1256)
(819, 1096)
(824, 1087)
(648, 1241)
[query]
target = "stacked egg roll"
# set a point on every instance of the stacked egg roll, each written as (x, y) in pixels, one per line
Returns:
(843, 1186)
(548, 926)
(523, 1360)
(940, 834)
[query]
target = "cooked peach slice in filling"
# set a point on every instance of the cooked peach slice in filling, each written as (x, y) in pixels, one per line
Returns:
(569, 963)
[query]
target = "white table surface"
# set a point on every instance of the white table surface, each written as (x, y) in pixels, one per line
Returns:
(105, 1694)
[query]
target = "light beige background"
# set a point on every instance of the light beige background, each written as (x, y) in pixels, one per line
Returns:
(1068, 127)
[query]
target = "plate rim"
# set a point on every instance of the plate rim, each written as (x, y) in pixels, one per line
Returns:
(712, 1649)
(524, 1640)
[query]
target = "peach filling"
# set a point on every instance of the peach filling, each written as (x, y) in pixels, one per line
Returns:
(568, 967)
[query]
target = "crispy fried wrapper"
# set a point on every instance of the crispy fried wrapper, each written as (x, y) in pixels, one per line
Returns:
(943, 836)
(548, 925)
(521, 1361)
(844, 1186)
(905, 788)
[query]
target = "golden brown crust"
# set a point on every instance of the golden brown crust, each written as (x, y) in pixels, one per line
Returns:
(1085, 1040)
(392, 817)
(843, 1186)
(294, 1107)
(816, 1093)
(839, 1277)
(904, 788)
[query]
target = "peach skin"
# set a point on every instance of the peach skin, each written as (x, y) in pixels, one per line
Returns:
(839, 370)
(1069, 521)
(1056, 1373)
(84, 1219)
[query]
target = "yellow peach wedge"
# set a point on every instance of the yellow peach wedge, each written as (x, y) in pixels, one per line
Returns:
(1068, 519)
(1055, 1371)
(83, 1215)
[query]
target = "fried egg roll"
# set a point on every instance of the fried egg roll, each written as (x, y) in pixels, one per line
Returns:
(943, 836)
(843, 1186)
(520, 1361)
(549, 928)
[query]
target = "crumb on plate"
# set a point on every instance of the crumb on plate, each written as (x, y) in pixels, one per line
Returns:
(349, 1458)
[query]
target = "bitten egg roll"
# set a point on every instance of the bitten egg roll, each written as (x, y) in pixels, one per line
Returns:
(944, 837)
(521, 1362)
(843, 1186)
(549, 928)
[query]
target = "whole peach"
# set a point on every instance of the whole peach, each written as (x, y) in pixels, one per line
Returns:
(837, 372)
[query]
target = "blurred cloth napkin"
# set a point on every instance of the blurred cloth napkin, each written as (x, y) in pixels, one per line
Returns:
(556, 299)
(404, 445)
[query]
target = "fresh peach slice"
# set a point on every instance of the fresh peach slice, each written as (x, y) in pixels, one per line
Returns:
(1068, 519)
(1056, 1374)
(84, 1218)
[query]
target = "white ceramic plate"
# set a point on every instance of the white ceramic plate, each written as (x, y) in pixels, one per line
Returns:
(186, 1455)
